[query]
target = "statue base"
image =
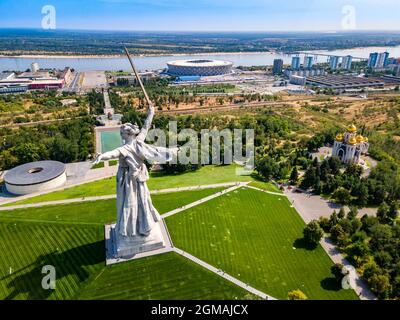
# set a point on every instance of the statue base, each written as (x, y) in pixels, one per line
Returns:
(120, 248)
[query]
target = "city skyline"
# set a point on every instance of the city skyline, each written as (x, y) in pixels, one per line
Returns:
(206, 15)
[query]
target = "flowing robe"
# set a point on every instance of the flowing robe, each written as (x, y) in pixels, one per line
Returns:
(136, 213)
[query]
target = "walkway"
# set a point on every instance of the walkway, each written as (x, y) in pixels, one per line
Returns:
(224, 275)
(113, 196)
(198, 202)
(312, 207)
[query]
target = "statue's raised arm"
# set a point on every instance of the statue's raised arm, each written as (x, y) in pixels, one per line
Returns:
(147, 124)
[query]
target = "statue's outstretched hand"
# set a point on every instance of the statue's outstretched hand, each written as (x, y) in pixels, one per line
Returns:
(97, 160)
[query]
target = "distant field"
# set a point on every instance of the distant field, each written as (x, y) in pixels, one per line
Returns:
(203, 176)
(256, 237)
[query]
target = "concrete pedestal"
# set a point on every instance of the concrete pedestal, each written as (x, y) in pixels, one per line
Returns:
(119, 248)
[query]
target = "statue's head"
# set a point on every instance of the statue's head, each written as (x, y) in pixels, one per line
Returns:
(129, 131)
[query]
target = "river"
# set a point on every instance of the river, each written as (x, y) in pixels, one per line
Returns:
(159, 62)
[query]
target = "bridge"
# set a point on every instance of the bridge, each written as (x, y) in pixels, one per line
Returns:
(326, 55)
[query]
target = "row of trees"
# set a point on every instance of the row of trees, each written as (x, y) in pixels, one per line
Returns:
(67, 141)
(371, 244)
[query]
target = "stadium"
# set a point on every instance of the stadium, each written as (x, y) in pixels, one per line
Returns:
(201, 67)
(35, 177)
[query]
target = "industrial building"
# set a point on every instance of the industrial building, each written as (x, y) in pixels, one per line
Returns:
(338, 82)
(200, 67)
(34, 80)
(35, 177)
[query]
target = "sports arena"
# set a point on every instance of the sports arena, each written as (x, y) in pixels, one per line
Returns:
(200, 67)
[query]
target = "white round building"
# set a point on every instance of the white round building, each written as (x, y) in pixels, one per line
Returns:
(35, 177)
(200, 67)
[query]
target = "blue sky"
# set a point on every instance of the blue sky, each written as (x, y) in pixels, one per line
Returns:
(203, 15)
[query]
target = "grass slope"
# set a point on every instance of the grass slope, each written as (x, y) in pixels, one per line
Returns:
(71, 238)
(252, 236)
(102, 211)
(167, 275)
(203, 176)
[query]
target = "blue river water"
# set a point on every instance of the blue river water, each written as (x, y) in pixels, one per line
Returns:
(159, 62)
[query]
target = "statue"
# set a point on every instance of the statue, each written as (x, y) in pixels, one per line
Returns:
(137, 228)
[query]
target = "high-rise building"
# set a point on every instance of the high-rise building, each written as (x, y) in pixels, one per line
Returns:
(347, 62)
(308, 62)
(296, 63)
(333, 62)
(383, 60)
(373, 59)
(278, 66)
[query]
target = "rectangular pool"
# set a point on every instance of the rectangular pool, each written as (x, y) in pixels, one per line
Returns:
(110, 140)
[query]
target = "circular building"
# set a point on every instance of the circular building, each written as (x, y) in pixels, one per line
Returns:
(200, 67)
(35, 177)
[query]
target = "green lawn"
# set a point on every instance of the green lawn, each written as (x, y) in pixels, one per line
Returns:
(103, 211)
(71, 238)
(268, 186)
(164, 276)
(257, 238)
(205, 175)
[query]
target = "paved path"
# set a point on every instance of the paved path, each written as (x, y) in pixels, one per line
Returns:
(198, 202)
(312, 207)
(266, 191)
(361, 288)
(113, 196)
(224, 275)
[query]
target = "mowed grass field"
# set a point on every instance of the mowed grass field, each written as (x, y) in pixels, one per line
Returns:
(102, 211)
(257, 238)
(71, 238)
(167, 275)
(204, 176)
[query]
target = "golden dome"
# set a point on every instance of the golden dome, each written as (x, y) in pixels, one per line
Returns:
(365, 139)
(352, 140)
(339, 137)
(352, 128)
(360, 138)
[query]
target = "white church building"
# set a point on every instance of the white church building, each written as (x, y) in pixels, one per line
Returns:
(350, 146)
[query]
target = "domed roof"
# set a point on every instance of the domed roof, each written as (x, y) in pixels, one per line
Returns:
(339, 137)
(360, 138)
(352, 128)
(365, 139)
(352, 140)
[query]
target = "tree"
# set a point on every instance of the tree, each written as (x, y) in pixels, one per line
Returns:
(341, 213)
(337, 272)
(294, 175)
(383, 213)
(393, 211)
(336, 232)
(297, 295)
(342, 195)
(380, 285)
(352, 213)
(313, 233)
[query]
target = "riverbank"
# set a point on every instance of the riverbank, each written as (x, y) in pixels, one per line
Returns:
(118, 56)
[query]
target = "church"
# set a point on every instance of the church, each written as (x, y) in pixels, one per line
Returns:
(350, 146)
